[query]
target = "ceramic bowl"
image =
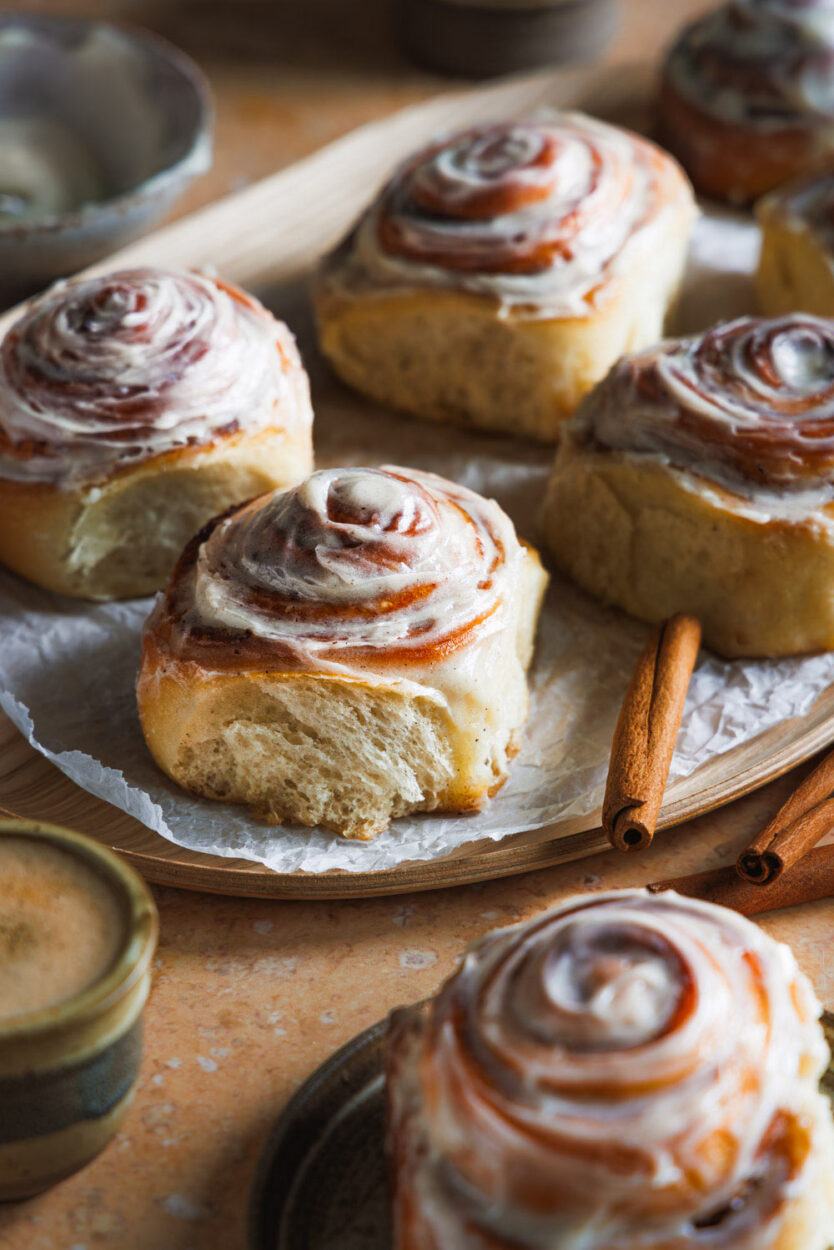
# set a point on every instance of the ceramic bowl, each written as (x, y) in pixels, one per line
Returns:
(67, 1071)
(101, 129)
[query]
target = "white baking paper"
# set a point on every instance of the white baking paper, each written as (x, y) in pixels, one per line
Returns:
(67, 669)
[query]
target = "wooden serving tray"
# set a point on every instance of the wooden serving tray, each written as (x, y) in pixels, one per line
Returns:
(267, 238)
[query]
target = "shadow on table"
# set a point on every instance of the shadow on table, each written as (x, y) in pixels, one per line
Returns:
(295, 34)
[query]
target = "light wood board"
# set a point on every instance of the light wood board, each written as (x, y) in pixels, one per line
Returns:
(272, 233)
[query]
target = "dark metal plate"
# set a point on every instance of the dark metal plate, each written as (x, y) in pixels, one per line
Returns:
(321, 1183)
(828, 1079)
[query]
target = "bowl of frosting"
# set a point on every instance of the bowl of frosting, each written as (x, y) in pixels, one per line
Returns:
(102, 128)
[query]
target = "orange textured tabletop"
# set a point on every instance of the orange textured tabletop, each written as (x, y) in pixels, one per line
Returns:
(250, 996)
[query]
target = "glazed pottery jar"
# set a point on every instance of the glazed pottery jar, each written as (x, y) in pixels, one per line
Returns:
(78, 930)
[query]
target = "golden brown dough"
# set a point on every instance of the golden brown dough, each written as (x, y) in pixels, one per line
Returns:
(796, 263)
(699, 477)
(747, 96)
(503, 270)
(133, 408)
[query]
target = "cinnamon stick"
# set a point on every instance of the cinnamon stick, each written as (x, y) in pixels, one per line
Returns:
(798, 825)
(647, 728)
(810, 879)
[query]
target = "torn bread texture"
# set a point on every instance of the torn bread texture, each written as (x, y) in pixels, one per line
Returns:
(121, 538)
(348, 753)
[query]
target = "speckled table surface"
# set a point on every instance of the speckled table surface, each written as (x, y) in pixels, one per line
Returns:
(249, 997)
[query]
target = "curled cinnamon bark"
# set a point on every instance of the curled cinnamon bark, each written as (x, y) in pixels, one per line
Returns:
(805, 817)
(644, 739)
(807, 881)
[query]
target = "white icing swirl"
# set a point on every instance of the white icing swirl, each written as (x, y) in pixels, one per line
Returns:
(359, 561)
(629, 1070)
(760, 63)
(748, 406)
(536, 214)
(105, 373)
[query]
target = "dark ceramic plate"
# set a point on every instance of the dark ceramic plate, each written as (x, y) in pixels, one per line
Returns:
(320, 1183)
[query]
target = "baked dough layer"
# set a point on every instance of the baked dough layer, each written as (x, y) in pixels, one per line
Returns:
(338, 751)
(458, 357)
(795, 268)
(730, 160)
(121, 538)
(650, 540)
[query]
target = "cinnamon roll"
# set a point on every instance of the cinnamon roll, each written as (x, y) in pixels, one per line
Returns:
(134, 407)
(627, 1072)
(345, 652)
(796, 263)
(502, 270)
(699, 477)
(747, 96)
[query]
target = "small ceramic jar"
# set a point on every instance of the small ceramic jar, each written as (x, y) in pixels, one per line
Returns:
(78, 930)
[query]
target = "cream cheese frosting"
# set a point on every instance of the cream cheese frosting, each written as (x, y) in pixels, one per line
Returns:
(747, 408)
(760, 63)
(628, 1070)
(105, 373)
(384, 575)
(403, 559)
(537, 214)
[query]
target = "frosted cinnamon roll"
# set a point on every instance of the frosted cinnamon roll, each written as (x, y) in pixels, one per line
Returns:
(134, 407)
(501, 271)
(345, 652)
(796, 263)
(628, 1071)
(747, 95)
(699, 477)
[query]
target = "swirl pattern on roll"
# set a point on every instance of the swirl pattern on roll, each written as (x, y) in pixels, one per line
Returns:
(531, 212)
(105, 373)
(748, 405)
(629, 1070)
(768, 64)
(353, 564)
